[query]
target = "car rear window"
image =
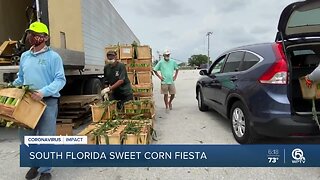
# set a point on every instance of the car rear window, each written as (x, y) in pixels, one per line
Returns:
(233, 62)
(303, 52)
(304, 18)
(249, 61)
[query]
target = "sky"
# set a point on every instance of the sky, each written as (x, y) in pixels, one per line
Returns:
(181, 25)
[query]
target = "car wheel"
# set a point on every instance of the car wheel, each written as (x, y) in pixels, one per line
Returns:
(201, 105)
(240, 124)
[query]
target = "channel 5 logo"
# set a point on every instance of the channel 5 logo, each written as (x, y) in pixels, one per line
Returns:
(297, 155)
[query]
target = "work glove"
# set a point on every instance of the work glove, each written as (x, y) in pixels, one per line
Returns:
(308, 81)
(105, 97)
(104, 94)
(10, 84)
(105, 91)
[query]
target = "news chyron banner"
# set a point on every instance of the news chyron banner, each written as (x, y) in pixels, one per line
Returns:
(72, 151)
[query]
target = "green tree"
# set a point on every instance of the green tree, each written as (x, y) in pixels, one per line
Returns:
(182, 64)
(155, 62)
(197, 60)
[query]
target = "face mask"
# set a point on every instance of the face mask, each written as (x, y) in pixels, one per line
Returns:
(111, 61)
(36, 40)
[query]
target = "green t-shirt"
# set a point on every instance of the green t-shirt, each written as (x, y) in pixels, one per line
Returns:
(114, 73)
(167, 69)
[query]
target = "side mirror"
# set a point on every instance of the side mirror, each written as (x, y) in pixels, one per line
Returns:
(203, 72)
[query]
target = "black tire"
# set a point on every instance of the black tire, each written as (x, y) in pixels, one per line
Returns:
(73, 87)
(92, 86)
(240, 124)
(202, 107)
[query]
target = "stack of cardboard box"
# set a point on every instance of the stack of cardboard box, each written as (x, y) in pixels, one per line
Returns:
(134, 123)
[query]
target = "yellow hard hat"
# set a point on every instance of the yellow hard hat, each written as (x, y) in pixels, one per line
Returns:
(38, 27)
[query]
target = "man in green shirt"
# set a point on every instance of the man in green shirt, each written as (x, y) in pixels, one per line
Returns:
(117, 83)
(167, 67)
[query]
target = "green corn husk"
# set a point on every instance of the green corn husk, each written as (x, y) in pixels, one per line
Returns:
(14, 102)
(2, 98)
(9, 101)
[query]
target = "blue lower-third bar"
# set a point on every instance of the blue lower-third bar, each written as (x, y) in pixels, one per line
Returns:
(170, 156)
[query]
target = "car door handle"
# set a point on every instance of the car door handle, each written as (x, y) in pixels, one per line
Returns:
(234, 78)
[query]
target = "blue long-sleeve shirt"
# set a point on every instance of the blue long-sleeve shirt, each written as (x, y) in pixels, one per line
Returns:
(42, 72)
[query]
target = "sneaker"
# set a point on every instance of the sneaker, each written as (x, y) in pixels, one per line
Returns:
(32, 173)
(45, 176)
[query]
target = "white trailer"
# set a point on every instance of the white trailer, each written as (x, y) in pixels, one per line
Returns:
(79, 31)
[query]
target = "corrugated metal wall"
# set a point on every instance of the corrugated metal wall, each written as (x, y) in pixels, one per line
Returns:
(102, 26)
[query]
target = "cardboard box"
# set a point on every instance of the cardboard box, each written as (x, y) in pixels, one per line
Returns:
(141, 138)
(100, 113)
(114, 137)
(137, 106)
(27, 112)
(91, 139)
(126, 52)
(144, 52)
(141, 65)
(309, 93)
(144, 77)
(142, 90)
(132, 77)
(64, 129)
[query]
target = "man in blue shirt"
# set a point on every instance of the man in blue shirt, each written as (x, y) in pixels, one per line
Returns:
(42, 69)
(167, 67)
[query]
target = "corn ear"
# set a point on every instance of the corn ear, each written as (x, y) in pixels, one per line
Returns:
(2, 98)
(9, 101)
(14, 102)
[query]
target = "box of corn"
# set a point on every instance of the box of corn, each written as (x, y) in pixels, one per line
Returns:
(107, 110)
(135, 133)
(142, 90)
(16, 105)
(309, 93)
(140, 65)
(144, 52)
(145, 108)
(144, 77)
(126, 52)
(89, 132)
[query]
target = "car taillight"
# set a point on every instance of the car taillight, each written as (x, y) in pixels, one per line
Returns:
(278, 72)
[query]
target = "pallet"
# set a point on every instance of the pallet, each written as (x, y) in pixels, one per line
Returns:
(76, 110)
(5, 62)
(76, 123)
(72, 113)
(64, 129)
(78, 101)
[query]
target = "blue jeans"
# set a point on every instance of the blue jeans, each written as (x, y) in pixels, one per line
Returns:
(45, 127)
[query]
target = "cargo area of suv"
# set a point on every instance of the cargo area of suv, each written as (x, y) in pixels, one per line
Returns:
(304, 58)
(299, 31)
